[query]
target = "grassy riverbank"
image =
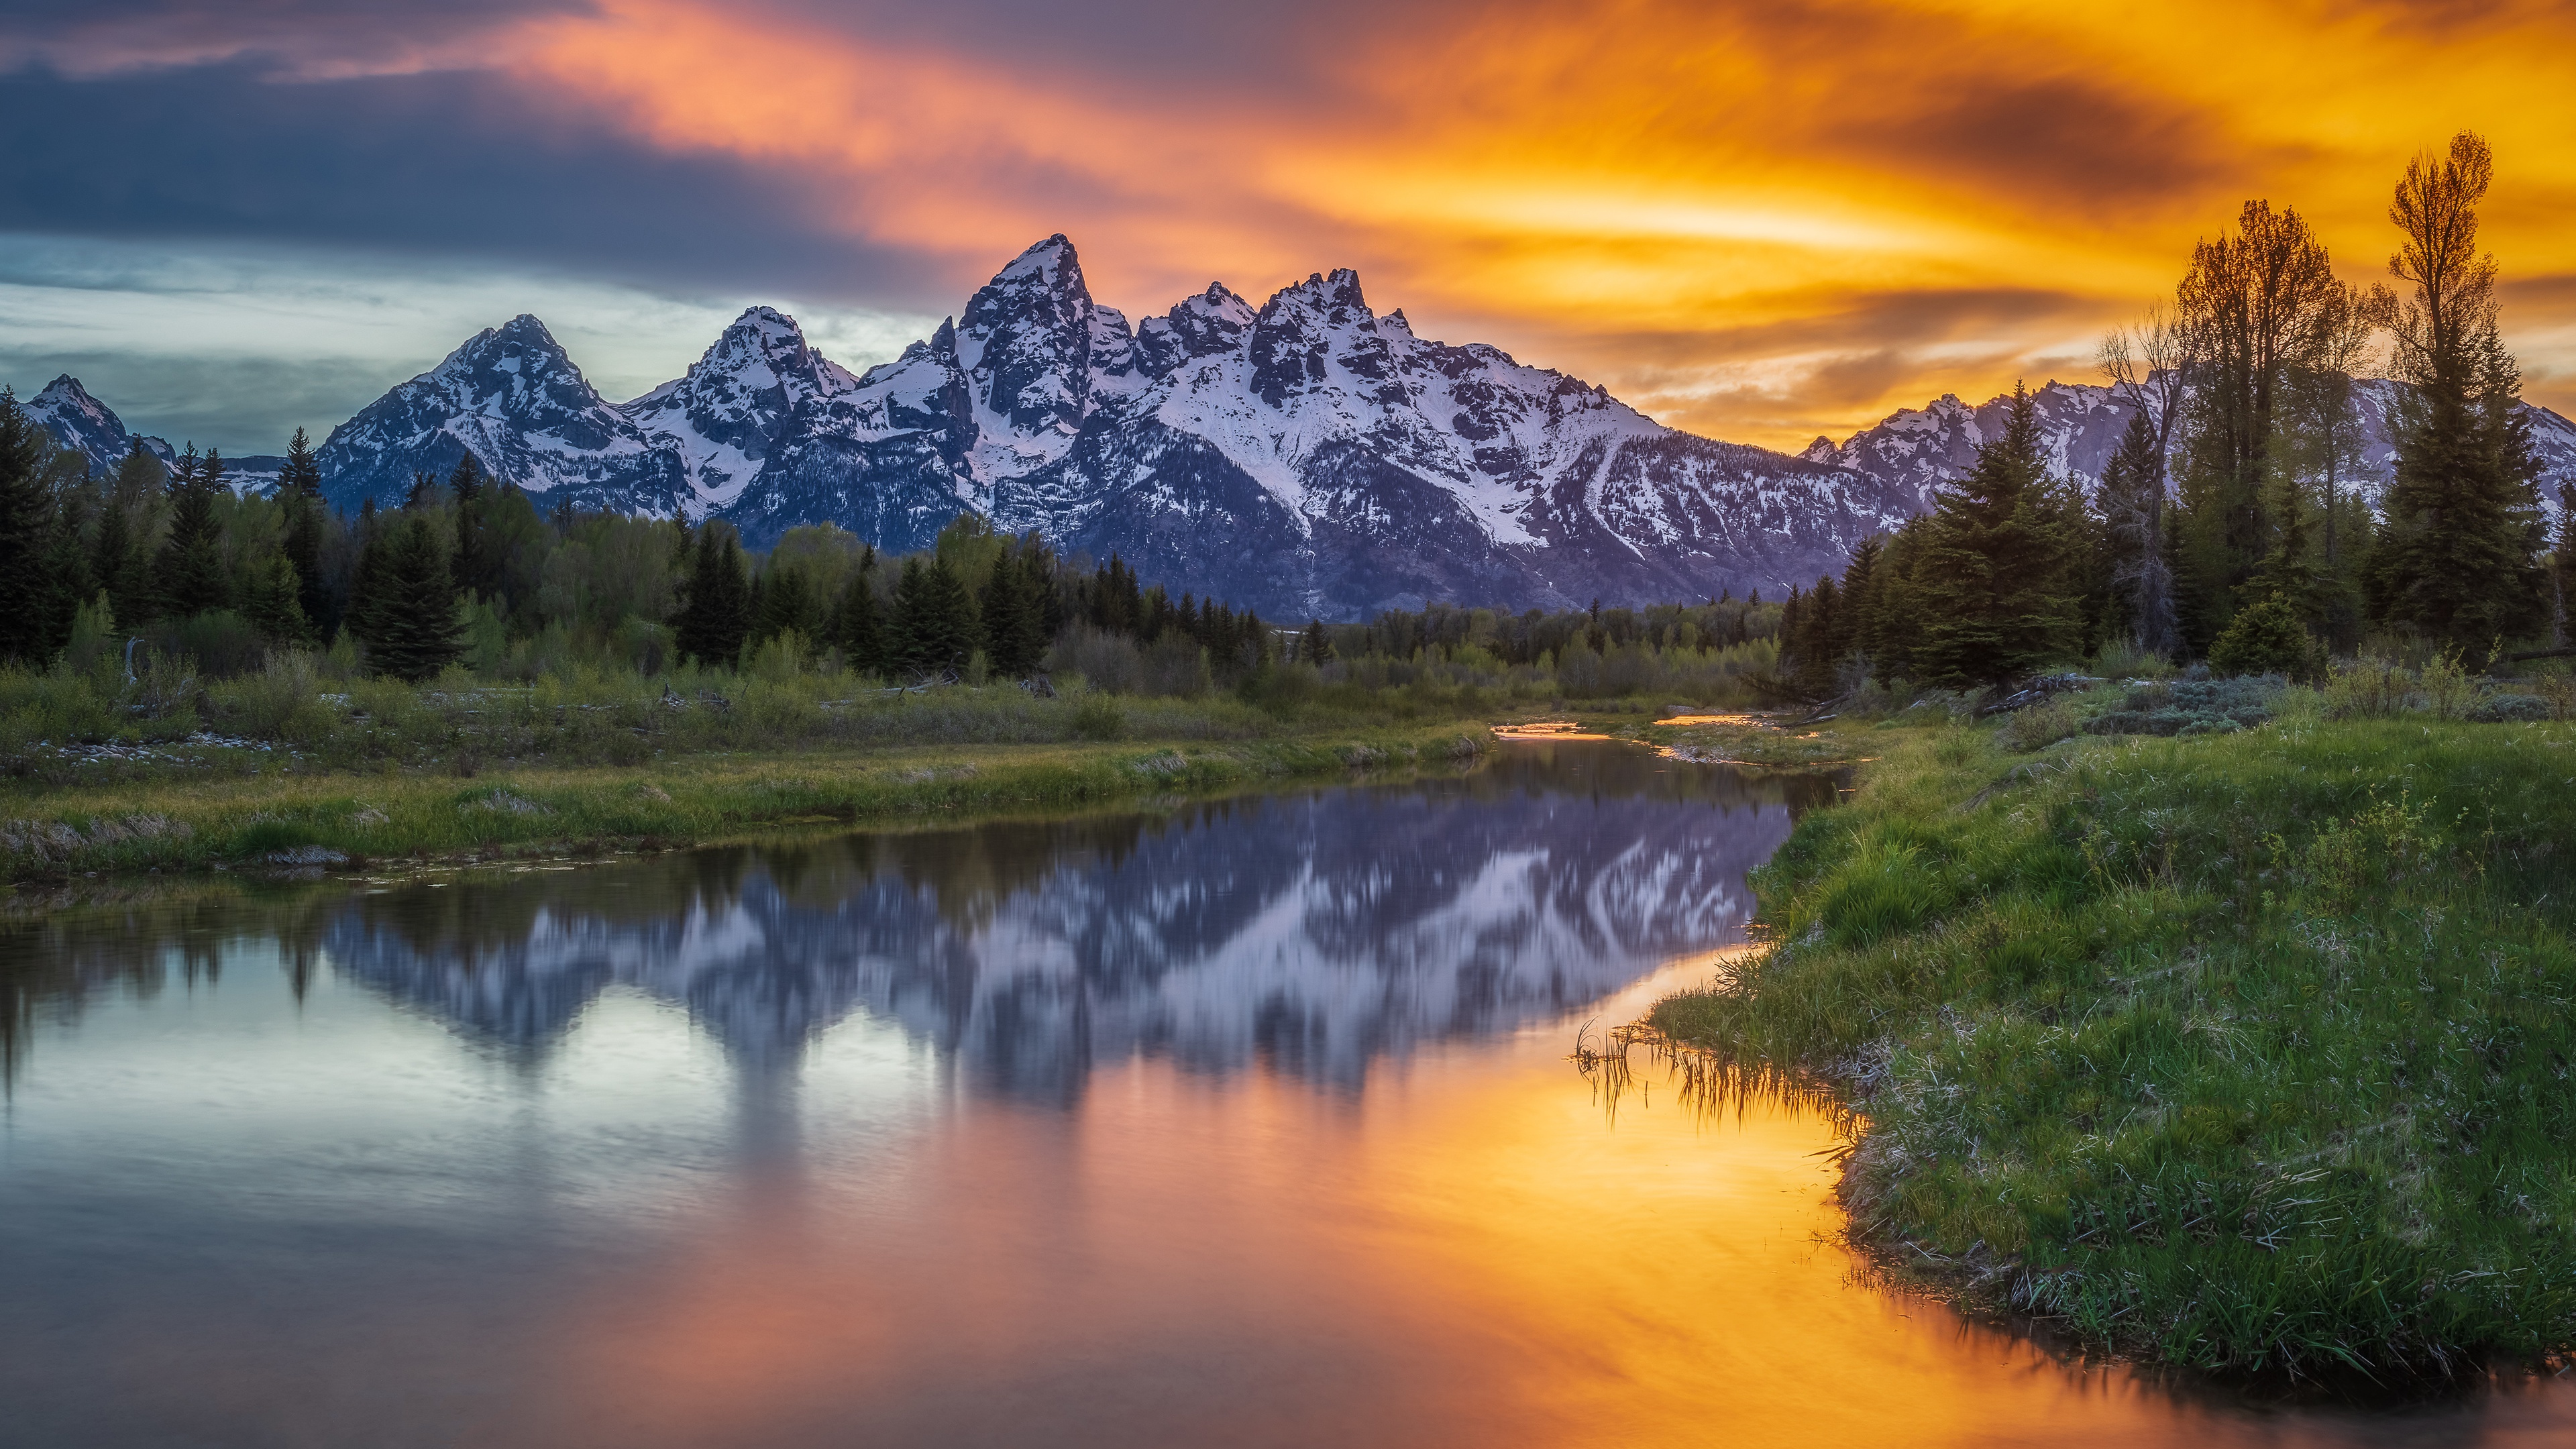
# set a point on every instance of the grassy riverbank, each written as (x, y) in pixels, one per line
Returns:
(169, 817)
(2249, 1051)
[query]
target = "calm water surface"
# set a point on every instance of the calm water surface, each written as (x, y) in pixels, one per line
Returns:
(1243, 1123)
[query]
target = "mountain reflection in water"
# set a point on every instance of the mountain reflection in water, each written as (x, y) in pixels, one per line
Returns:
(1316, 932)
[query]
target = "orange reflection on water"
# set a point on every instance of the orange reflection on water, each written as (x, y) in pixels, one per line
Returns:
(1467, 1251)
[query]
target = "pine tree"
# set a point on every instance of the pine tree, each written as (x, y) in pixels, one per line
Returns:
(934, 624)
(299, 492)
(189, 573)
(272, 600)
(717, 616)
(788, 601)
(418, 630)
(857, 625)
(1992, 582)
(2133, 492)
(111, 554)
(26, 537)
(1812, 646)
(1014, 638)
(1315, 646)
(2563, 576)
(475, 568)
(367, 605)
(2459, 556)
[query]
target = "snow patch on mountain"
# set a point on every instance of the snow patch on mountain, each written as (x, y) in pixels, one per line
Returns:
(82, 423)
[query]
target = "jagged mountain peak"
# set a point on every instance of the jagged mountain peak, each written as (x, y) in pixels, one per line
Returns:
(80, 422)
(1209, 324)
(1044, 262)
(758, 387)
(514, 399)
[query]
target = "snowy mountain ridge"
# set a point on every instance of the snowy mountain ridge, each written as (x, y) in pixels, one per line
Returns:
(1307, 456)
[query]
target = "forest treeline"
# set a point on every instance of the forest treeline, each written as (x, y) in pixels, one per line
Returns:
(470, 574)
(2227, 526)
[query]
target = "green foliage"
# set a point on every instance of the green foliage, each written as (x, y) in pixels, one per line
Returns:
(934, 626)
(190, 574)
(416, 629)
(2223, 1051)
(2269, 638)
(1993, 582)
(27, 523)
(717, 617)
(2459, 559)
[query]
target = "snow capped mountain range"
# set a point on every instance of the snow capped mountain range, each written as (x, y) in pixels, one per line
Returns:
(1305, 457)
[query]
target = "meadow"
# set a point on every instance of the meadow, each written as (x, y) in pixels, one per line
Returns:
(2247, 1048)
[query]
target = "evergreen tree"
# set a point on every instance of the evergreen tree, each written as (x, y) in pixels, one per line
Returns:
(299, 492)
(272, 600)
(717, 615)
(1859, 627)
(788, 601)
(477, 569)
(2133, 491)
(119, 555)
(1014, 635)
(934, 624)
(2563, 576)
(189, 574)
(859, 627)
(111, 554)
(367, 580)
(1315, 645)
(1813, 645)
(1992, 582)
(418, 629)
(27, 519)
(2459, 556)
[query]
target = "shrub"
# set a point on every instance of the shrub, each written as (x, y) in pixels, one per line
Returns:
(2041, 725)
(2268, 638)
(1099, 718)
(2449, 691)
(2369, 688)
(280, 701)
(2193, 707)
(2510, 708)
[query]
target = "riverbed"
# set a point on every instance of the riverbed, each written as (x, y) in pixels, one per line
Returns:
(1242, 1122)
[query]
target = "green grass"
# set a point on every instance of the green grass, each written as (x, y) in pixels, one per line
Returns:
(2248, 1052)
(172, 820)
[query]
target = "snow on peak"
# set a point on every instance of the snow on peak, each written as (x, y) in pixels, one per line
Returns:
(1042, 263)
(82, 423)
(757, 387)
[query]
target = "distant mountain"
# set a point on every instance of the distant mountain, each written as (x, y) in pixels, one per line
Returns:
(90, 428)
(514, 400)
(1304, 457)
(87, 426)
(1916, 449)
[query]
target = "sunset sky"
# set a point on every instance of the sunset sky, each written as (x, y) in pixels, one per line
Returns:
(1759, 222)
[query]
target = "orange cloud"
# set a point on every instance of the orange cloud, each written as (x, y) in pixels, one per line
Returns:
(1758, 222)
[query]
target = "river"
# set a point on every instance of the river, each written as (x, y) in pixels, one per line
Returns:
(1237, 1122)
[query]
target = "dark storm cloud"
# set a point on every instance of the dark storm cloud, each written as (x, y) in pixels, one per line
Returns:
(444, 163)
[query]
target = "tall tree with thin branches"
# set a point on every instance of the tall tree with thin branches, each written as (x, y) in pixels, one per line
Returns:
(2458, 557)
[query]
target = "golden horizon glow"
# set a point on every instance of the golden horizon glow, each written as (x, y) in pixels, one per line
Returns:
(1755, 224)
